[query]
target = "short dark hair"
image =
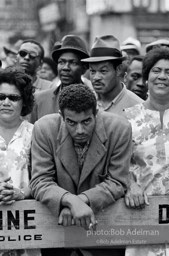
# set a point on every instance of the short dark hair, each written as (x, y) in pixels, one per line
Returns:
(137, 58)
(115, 63)
(151, 58)
(78, 98)
(32, 41)
(23, 82)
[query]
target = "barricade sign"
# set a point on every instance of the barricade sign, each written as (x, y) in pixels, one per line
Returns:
(29, 224)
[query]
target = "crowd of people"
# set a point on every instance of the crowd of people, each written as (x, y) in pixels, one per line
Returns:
(81, 129)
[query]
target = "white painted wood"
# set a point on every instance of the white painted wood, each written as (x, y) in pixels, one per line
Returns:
(33, 226)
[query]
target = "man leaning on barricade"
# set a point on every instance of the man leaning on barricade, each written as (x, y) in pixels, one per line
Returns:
(80, 162)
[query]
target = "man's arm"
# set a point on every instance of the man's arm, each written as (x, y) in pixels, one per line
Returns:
(82, 214)
(34, 114)
(43, 185)
(115, 182)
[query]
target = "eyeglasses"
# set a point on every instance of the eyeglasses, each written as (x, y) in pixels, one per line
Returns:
(24, 53)
(11, 97)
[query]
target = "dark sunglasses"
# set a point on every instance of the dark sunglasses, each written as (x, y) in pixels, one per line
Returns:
(24, 53)
(11, 97)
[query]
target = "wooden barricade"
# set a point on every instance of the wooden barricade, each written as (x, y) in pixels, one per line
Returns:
(29, 224)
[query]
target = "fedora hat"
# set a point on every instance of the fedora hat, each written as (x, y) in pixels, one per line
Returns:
(70, 43)
(105, 48)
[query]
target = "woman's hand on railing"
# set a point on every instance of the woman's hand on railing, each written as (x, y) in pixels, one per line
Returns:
(6, 192)
(136, 197)
(9, 194)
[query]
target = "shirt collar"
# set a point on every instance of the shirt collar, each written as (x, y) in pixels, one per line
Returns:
(81, 146)
(60, 87)
(114, 101)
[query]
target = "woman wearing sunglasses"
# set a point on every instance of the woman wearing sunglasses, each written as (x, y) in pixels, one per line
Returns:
(16, 101)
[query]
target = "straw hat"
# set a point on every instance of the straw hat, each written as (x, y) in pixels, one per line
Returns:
(160, 42)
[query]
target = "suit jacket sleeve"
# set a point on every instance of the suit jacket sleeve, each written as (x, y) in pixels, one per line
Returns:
(115, 180)
(34, 115)
(43, 185)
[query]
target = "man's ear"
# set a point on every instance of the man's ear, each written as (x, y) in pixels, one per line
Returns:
(121, 73)
(125, 77)
(60, 112)
(119, 69)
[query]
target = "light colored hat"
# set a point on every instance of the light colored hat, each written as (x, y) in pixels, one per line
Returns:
(13, 49)
(131, 44)
(160, 42)
(105, 48)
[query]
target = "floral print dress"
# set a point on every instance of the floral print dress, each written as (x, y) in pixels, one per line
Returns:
(150, 160)
(15, 159)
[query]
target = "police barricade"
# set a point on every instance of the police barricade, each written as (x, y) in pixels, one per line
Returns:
(29, 224)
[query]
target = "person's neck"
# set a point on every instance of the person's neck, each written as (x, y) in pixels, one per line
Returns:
(111, 95)
(10, 125)
(155, 104)
(65, 85)
(34, 78)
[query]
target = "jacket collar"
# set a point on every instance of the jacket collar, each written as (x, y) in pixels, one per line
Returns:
(96, 151)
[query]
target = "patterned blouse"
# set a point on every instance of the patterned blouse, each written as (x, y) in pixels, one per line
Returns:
(150, 161)
(15, 159)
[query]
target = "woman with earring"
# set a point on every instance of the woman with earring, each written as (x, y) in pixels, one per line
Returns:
(16, 101)
(149, 170)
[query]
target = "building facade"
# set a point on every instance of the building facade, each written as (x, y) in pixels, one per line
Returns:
(146, 20)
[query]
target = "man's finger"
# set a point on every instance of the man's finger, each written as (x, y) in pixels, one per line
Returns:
(60, 221)
(92, 226)
(93, 222)
(83, 222)
(127, 201)
(65, 221)
(87, 222)
(131, 203)
(77, 222)
(146, 199)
